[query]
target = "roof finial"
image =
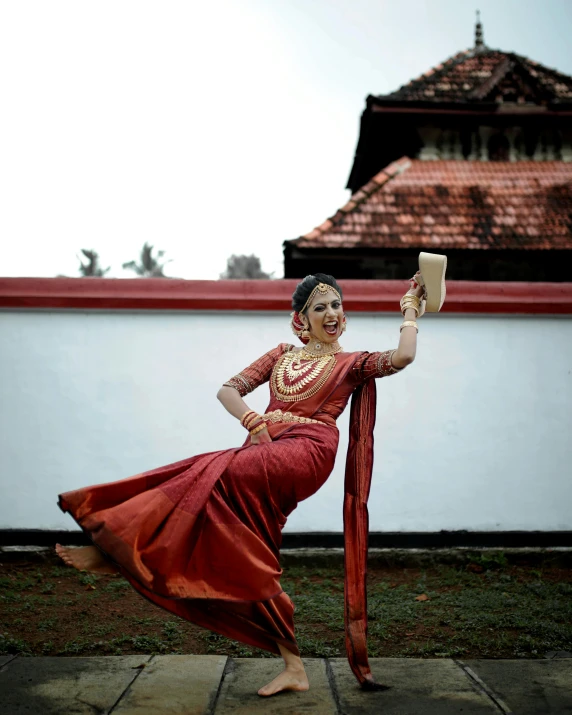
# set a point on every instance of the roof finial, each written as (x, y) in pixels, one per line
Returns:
(479, 42)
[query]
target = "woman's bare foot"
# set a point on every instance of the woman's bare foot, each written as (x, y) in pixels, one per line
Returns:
(293, 677)
(85, 558)
(288, 679)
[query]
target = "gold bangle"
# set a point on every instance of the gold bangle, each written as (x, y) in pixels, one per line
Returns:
(409, 324)
(410, 301)
(409, 307)
(255, 424)
(248, 412)
(249, 421)
(403, 302)
(257, 429)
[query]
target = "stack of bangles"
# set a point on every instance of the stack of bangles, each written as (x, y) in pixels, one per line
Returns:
(253, 422)
(409, 301)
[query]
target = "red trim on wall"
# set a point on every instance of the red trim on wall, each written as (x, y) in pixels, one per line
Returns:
(272, 295)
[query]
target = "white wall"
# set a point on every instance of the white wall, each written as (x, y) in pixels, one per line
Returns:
(475, 434)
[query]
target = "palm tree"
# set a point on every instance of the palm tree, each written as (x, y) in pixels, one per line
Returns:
(238, 267)
(148, 266)
(92, 268)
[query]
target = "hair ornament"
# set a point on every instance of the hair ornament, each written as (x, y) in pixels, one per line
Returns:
(298, 328)
(321, 288)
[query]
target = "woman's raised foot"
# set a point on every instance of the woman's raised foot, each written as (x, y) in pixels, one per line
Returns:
(85, 558)
(289, 679)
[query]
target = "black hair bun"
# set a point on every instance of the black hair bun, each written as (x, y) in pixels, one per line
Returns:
(305, 288)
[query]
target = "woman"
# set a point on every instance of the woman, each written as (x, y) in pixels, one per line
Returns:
(201, 537)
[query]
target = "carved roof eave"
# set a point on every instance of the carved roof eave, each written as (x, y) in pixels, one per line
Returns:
(376, 104)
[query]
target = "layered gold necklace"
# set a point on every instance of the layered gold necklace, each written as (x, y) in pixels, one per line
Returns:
(296, 370)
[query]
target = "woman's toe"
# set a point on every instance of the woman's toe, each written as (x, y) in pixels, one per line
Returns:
(62, 552)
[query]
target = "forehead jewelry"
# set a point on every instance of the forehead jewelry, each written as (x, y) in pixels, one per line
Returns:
(321, 288)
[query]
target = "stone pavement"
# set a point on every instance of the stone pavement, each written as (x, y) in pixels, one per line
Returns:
(217, 685)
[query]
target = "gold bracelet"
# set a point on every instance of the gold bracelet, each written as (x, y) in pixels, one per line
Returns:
(258, 429)
(408, 324)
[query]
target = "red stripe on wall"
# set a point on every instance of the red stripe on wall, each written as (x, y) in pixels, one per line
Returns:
(271, 295)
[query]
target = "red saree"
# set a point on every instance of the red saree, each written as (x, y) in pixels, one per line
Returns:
(201, 537)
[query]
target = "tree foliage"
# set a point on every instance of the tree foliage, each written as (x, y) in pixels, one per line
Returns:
(241, 266)
(148, 265)
(92, 267)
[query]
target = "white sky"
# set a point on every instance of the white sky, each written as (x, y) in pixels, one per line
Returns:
(209, 128)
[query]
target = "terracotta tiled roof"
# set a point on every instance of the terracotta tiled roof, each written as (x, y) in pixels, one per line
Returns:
(486, 75)
(455, 204)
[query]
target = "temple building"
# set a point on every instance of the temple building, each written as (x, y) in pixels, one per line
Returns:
(472, 159)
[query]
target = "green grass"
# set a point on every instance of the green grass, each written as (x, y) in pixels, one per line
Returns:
(488, 609)
(117, 586)
(489, 613)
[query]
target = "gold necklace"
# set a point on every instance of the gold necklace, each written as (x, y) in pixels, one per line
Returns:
(290, 376)
(316, 349)
(296, 368)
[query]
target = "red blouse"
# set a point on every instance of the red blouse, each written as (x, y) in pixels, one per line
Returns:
(365, 367)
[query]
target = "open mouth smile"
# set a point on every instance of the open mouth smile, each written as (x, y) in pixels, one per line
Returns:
(331, 328)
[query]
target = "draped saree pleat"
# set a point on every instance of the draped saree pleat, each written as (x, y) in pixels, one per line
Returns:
(201, 537)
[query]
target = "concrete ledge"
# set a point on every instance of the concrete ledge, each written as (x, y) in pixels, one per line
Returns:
(406, 558)
(203, 685)
(527, 687)
(417, 685)
(238, 694)
(188, 684)
(411, 558)
(406, 540)
(52, 686)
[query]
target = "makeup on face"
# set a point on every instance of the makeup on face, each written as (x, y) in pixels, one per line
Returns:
(325, 315)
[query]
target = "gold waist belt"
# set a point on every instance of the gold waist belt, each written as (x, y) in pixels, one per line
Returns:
(279, 416)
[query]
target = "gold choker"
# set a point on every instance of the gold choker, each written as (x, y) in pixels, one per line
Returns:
(317, 349)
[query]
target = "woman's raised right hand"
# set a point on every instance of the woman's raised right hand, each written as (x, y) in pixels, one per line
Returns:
(414, 287)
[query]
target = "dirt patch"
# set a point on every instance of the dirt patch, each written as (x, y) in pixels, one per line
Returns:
(478, 610)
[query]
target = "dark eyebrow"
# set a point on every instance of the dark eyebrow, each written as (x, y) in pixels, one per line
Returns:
(336, 300)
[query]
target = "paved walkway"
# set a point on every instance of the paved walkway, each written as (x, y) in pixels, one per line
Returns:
(217, 685)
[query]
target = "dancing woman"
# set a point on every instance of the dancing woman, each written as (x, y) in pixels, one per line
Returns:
(201, 537)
